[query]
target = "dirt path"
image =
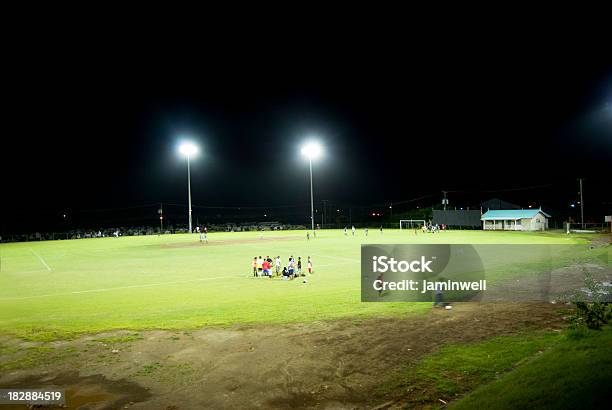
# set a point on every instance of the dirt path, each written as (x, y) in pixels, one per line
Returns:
(196, 244)
(320, 365)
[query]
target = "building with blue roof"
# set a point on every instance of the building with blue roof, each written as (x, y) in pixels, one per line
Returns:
(515, 220)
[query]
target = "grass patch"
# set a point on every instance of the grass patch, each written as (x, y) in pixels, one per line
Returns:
(457, 369)
(8, 350)
(575, 373)
(37, 356)
(38, 334)
(149, 369)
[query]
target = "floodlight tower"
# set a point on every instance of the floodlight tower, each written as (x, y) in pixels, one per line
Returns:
(188, 149)
(311, 150)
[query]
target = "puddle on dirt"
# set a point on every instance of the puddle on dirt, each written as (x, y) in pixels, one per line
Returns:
(85, 393)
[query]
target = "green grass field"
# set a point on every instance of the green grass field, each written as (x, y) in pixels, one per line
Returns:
(537, 369)
(573, 373)
(56, 289)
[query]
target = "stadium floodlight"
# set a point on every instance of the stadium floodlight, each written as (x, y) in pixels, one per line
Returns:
(311, 150)
(188, 149)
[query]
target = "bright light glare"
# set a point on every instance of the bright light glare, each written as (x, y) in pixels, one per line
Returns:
(312, 150)
(188, 149)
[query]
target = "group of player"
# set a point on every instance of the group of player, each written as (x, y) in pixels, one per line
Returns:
(354, 231)
(269, 268)
(203, 234)
(432, 228)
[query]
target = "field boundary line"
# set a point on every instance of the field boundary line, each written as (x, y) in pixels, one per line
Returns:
(77, 292)
(41, 260)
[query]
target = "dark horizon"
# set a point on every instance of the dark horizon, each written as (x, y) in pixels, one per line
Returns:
(392, 133)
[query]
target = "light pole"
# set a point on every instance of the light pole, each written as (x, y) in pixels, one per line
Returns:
(188, 149)
(311, 150)
(581, 205)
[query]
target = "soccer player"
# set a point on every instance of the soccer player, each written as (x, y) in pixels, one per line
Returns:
(307, 236)
(299, 265)
(254, 265)
(309, 265)
(381, 231)
(259, 266)
(266, 269)
(278, 265)
(290, 272)
(345, 231)
(353, 229)
(366, 231)
(202, 236)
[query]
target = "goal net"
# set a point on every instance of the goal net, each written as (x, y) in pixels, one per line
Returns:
(411, 223)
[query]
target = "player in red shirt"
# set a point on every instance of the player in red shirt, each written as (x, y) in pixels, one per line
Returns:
(266, 268)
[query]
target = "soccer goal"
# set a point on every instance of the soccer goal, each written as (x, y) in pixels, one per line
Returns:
(411, 223)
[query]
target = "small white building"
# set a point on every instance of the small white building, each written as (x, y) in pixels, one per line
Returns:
(515, 220)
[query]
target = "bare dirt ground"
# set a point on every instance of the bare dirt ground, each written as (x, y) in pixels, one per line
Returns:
(228, 242)
(323, 365)
(547, 286)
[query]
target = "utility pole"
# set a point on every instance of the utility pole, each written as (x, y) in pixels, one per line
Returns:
(581, 205)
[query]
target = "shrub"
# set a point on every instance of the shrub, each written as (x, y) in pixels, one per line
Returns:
(593, 307)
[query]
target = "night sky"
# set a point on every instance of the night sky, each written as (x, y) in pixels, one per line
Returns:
(102, 133)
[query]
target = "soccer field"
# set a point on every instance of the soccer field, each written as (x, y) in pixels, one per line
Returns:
(58, 288)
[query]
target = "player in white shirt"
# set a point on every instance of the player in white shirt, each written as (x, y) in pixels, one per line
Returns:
(277, 262)
(353, 229)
